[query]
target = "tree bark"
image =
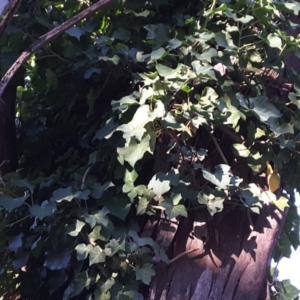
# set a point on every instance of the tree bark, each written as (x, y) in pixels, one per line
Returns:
(229, 262)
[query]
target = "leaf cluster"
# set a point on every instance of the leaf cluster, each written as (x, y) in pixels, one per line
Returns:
(95, 104)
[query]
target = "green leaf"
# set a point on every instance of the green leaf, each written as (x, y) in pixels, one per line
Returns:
(97, 218)
(136, 127)
(221, 177)
(135, 151)
(23, 183)
(166, 72)
(213, 199)
(107, 130)
(41, 211)
(144, 273)
(118, 206)
(281, 203)
(107, 285)
(57, 260)
(274, 41)
(122, 34)
(95, 234)
(81, 251)
(174, 210)
(75, 32)
(63, 194)
(174, 44)
(140, 241)
(96, 256)
(142, 206)
(157, 54)
(98, 189)
(241, 150)
(251, 197)
(262, 107)
(286, 290)
(9, 203)
(82, 281)
(159, 34)
(15, 242)
(114, 246)
(161, 182)
(75, 230)
(91, 95)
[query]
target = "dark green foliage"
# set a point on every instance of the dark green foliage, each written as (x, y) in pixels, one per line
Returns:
(93, 104)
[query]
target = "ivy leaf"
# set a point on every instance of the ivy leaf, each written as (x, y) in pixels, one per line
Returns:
(91, 96)
(173, 209)
(95, 234)
(140, 241)
(75, 32)
(97, 218)
(41, 211)
(213, 199)
(241, 150)
(281, 129)
(78, 226)
(157, 54)
(23, 183)
(15, 242)
(251, 197)
(57, 260)
(221, 177)
(145, 273)
(263, 108)
(81, 281)
(10, 203)
(107, 130)
(281, 203)
(122, 34)
(136, 127)
(142, 206)
(135, 151)
(106, 286)
(161, 182)
(82, 251)
(114, 246)
(96, 256)
(174, 43)
(98, 189)
(166, 72)
(118, 206)
(274, 41)
(63, 194)
(287, 290)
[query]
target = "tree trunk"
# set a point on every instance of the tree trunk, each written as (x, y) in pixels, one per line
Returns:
(226, 256)
(8, 140)
(229, 262)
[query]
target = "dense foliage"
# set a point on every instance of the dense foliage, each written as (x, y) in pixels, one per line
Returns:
(94, 103)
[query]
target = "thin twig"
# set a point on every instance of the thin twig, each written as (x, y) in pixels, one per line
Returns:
(218, 148)
(182, 254)
(84, 177)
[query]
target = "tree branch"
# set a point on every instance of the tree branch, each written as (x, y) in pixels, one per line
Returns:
(13, 5)
(52, 34)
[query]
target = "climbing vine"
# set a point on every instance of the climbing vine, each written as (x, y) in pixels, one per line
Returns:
(94, 105)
